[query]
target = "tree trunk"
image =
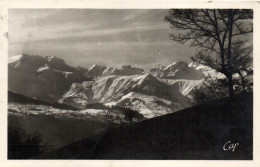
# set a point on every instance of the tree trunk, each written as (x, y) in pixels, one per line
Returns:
(229, 55)
(242, 81)
(230, 85)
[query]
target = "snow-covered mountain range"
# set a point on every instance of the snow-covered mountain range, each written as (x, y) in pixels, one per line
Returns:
(144, 93)
(156, 91)
(176, 70)
(100, 70)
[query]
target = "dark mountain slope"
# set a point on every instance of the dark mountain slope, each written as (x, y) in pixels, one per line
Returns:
(21, 99)
(46, 78)
(194, 133)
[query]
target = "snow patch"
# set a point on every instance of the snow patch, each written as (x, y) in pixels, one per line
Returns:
(171, 65)
(41, 69)
(14, 59)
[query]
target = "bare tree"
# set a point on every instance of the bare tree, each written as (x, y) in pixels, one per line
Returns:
(214, 32)
(242, 62)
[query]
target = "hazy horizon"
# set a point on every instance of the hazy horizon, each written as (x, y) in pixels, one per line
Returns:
(83, 37)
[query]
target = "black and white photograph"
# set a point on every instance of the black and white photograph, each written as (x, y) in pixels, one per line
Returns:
(130, 84)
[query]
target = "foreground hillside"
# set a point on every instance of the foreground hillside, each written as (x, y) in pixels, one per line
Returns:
(57, 124)
(198, 132)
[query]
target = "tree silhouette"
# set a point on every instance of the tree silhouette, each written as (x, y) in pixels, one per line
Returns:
(242, 62)
(21, 144)
(214, 32)
(204, 93)
(129, 115)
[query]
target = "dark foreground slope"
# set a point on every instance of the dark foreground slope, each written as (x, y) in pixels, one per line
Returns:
(198, 132)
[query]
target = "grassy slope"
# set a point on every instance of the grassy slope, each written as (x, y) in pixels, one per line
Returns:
(194, 133)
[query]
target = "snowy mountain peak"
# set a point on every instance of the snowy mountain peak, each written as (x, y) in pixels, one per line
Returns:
(108, 71)
(158, 67)
(198, 66)
(206, 70)
(176, 70)
(147, 79)
(50, 58)
(170, 66)
(148, 76)
(125, 70)
(14, 59)
(175, 65)
(54, 59)
(95, 70)
(95, 66)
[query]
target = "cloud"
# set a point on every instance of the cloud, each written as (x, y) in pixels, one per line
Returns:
(74, 23)
(95, 36)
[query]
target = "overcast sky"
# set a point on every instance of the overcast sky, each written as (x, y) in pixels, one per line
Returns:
(96, 36)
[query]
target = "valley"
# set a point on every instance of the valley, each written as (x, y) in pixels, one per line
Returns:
(69, 104)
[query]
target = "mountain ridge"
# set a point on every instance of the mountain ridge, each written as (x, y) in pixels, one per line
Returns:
(41, 77)
(143, 93)
(51, 79)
